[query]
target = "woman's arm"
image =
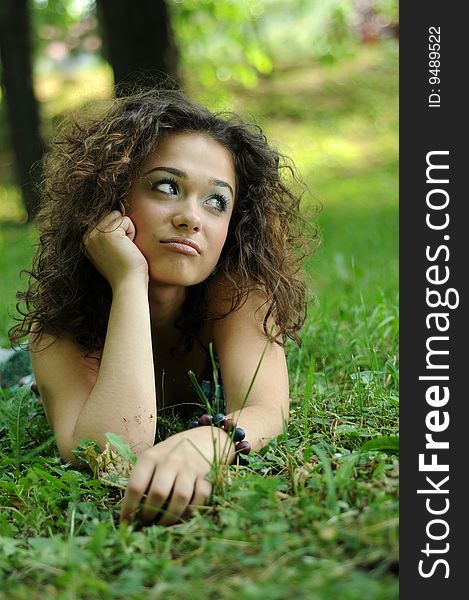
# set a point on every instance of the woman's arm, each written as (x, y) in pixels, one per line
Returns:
(118, 395)
(123, 399)
(173, 473)
(241, 345)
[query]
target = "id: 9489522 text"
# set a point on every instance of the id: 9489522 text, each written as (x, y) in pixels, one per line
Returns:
(434, 45)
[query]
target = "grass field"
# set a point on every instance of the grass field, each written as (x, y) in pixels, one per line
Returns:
(315, 514)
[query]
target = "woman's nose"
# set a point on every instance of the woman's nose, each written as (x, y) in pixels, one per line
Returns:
(187, 218)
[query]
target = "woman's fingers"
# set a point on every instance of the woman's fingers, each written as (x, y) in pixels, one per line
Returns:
(139, 482)
(157, 495)
(172, 477)
(112, 222)
(129, 228)
(182, 494)
(116, 220)
(111, 249)
(185, 495)
(202, 491)
(110, 219)
(107, 224)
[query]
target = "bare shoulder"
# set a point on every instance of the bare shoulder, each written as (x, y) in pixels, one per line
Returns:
(65, 376)
(251, 311)
(246, 354)
(46, 349)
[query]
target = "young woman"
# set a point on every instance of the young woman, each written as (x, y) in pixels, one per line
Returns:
(164, 228)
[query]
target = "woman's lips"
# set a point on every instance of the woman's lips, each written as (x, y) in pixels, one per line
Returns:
(183, 245)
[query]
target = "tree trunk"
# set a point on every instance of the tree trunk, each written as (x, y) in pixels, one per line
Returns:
(22, 107)
(138, 42)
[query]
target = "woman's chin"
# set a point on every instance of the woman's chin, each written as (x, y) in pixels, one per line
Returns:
(177, 279)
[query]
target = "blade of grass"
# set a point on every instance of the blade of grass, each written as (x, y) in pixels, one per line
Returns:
(199, 391)
(329, 476)
(307, 394)
(214, 365)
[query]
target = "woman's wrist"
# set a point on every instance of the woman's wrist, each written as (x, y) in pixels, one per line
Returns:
(132, 282)
(212, 442)
(236, 435)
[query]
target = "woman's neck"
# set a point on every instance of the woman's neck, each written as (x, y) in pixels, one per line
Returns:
(165, 304)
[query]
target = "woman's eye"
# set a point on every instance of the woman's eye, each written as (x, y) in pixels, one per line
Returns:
(167, 187)
(217, 202)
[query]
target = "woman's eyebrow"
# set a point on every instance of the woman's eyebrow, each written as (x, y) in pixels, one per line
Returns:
(172, 170)
(220, 183)
(183, 175)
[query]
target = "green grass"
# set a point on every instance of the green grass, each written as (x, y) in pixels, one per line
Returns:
(16, 251)
(314, 515)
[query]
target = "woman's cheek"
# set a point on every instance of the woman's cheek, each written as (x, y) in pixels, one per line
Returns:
(222, 242)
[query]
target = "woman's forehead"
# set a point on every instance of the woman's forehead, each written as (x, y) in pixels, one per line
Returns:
(192, 152)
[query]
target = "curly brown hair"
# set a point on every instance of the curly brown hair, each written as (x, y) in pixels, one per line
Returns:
(88, 173)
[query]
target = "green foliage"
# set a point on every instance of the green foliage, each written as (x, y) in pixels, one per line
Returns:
(122, 448)
(60, 21)
(14, 415)
(87, 452)
(199, 391)
(19, 416)
(206, 31)
(387, 443)
(16, 251)
(111, 466)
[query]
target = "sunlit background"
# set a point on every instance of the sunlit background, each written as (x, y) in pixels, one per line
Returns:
(298, 66)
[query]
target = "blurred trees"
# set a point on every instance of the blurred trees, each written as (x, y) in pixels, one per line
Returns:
(139, 44)
(22, 109)
(220, 42)
(138, 41)
(209, 46)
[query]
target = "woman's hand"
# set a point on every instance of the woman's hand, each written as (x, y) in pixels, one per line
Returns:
(111, 249)
(172, 473)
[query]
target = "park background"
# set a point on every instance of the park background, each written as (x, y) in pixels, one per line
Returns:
(314, 515)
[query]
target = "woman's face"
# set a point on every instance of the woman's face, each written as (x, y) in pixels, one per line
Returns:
(181, 207)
